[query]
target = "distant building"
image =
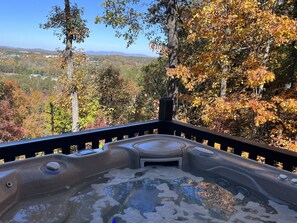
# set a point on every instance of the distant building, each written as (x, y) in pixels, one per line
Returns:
(35, 75)
(51, 56)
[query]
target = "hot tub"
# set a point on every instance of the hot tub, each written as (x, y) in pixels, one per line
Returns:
(208, 180)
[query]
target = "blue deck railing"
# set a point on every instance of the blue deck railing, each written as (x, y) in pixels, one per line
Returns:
(70, 142)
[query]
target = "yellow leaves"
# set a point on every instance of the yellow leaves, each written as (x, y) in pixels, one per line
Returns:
(183, 73)
(251, 62)
(180, 72)
(263, 111)
(235, 40)
(218, 112)
(192, 37)
(227, 110)
(287, 109)
(228, 29)
(283, 29)
(277, 117)
(289, 105)
(196, 15)
(284, 142)
(236, 22)
(199, 101)
(259, 76)
(250, 5)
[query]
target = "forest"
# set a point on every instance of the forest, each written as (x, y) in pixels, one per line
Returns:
(34, 98)
(229, 65)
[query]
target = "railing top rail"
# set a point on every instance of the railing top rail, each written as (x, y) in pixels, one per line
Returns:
(216, 136)
(77, 134)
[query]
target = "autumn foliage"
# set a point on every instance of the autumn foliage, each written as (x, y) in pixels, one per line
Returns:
(236, 74)
(230, 71)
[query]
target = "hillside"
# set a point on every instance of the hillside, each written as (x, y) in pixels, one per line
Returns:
(39, 62)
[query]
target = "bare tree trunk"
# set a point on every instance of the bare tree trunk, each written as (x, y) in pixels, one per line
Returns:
(172, 50)
(292, 68)
(290, 74)
(260, 89)
(52, 113)
(172, 33)
(223, 87)
(225, 71)
(69, 61)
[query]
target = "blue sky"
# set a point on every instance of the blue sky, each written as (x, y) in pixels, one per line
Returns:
(20, 19)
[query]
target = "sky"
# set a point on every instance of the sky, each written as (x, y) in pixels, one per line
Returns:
(20, 20)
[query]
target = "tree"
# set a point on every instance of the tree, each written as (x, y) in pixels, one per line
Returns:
(155, 19)
(60, 105)
(114, 93)
(287, 68)
(36, 122)
(235, 32)
(153, 79)
(231, 63)
(9, 129)
(153, 84)
(70, 27)
(12, 111)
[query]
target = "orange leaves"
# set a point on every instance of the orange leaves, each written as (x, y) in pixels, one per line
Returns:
(234, 41)
(259, 76)
(288, 114)
(284, 142)
(263, 111)
(283, 29)
(237, 37)
(251, 62)
(289, 105)
(218, 112)
(182, 73)
(231, 110)
(188, 77)
(248, 5)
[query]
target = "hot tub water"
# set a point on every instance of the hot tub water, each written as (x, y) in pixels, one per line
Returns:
(150, 194)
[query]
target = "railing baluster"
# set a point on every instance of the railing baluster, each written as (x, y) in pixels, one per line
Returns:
(9, 158)
(200, 140)
(30, 154)
(95, 144)
(109, 139)
(269, 161)
(188, 136)
(81, 145)
(131, 135)
(224, 147)
(66, 150)
(252, 156)
(210, 143)
(177, 133)
(288, 167)
(237, 151)
(47, 152)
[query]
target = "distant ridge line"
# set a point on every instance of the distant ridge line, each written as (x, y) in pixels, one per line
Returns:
(115, 53)
(90, 53)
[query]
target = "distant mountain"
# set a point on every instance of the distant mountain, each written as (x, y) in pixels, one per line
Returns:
(28, 49)
(93, 53)
(90, 53)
